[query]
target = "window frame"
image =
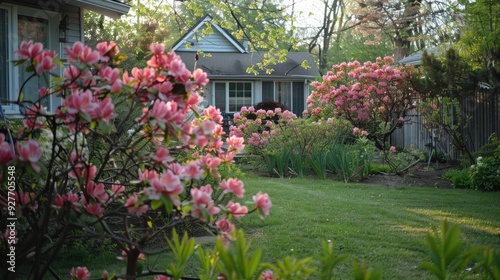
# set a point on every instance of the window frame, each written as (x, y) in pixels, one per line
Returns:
(13, 82)
(227, 97)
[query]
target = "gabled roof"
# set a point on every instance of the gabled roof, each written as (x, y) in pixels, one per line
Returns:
(198, 27)
(234, 65)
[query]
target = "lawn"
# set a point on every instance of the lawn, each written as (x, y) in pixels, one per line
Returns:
(385, 226)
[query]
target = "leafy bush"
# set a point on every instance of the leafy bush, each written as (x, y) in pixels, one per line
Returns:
(485, 174)
(283, 142)
(460, 178)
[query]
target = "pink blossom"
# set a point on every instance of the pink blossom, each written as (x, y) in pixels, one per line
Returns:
(117, 189)
(168, 112)
(162, 156)
(97, 191)
(107, 50)
(147, 175)
(236, 209)
(168, 184)
(30, 152)
(233, 186)
(192, 171)
(80, 273)
(202, 196)
(93, 209)
(226, 229)
(161, 277)
(69, 197)
(178, 68)
(6, 152)
(267, 275)
(200, 77)
(262, 202)
(236, 143)
(134, 207)
(45, 62)
(355, 130)
(28, 50)
(392, 149)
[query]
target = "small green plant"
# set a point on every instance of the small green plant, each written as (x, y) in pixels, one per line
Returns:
(379, 168)
(361, 271)
(447, 256)
(318, 161)
(459, 178)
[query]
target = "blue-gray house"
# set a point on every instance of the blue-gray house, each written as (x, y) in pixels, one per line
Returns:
(226, 60)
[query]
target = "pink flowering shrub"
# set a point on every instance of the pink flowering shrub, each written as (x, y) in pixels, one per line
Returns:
(373, 97)
(283, 143)
(84, 171)
(258, 126)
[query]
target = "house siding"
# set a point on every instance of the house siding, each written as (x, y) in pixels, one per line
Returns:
(213, 42)
(75, 28)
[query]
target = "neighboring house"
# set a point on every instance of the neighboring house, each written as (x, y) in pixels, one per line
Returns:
(53, 23)
(226, 60)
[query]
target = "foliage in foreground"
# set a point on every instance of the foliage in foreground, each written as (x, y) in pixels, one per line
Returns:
(448, 258)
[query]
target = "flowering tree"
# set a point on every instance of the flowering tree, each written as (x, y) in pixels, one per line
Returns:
(373, 97)
(83, 172)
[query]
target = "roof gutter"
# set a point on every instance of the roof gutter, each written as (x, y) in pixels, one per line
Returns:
(110, 8)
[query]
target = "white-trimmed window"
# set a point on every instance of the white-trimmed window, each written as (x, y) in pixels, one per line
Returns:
(18, 23)
(288, 93)
(229, 97)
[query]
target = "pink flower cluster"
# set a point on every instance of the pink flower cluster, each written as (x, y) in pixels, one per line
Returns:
(28, 152)
(42, 60)
(363, 92)
(258, 126)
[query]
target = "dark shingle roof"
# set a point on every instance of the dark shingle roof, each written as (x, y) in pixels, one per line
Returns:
(234, 65)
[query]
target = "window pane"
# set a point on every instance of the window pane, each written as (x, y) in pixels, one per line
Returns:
(220, 96)
(284, 93)
(267, 91)
(298, 98)
(4, 73)
(241, 96)
(36, 29)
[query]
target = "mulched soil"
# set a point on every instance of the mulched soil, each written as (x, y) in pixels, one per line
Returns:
(423, 177)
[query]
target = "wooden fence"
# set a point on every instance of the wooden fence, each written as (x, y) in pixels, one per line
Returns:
(480, 113)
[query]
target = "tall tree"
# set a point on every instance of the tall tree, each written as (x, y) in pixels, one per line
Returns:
(480, 42)
(334, 14)
(399, 20)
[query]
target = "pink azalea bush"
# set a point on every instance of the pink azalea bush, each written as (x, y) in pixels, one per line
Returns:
(81, 171)
(374, 97)
(283, 143)
(258, 126)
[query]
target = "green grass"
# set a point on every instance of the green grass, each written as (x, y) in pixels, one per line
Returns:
(385, 226)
